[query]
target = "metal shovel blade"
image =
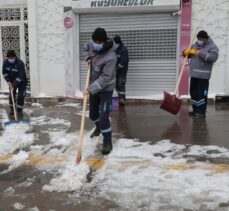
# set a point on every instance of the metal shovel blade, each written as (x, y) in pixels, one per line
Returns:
(10, 122)
(171, 103)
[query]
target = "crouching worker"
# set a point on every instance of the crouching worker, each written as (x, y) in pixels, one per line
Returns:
(13, 71)
(100, 52)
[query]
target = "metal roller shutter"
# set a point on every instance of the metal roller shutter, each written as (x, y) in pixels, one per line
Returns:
(152, 42)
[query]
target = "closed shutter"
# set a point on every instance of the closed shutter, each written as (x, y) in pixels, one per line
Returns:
(151, 40)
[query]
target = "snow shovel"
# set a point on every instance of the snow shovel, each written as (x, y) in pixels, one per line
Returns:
(172, 103)
(94, 163)
(15, 121)
(80, 146)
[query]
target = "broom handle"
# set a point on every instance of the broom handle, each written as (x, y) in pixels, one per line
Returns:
(184, 63)
(80, 147)
(12, 97)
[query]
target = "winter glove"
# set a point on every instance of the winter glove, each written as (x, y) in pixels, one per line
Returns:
(194, 52)
(190, 52)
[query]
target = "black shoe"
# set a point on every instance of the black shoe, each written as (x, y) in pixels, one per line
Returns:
(191, 113)
(199, 116)
(96, 132)
(122, 102)
(107, 148)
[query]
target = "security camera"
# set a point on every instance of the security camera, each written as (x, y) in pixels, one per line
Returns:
(178, 13)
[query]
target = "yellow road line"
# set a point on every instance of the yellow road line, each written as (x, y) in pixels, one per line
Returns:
(94, 163)
(216, 168)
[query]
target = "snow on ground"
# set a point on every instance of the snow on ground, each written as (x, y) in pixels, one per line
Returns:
(37, 105)
(14, 136)
(72, 178)
(16, 161)
(78, 93)
(69, 105)
(58, 155)
(80, 113)
(18, 206)
(139, 174)
(136, 175)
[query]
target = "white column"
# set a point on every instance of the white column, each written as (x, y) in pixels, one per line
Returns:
(33, 47)
(226, 80)
(72, 60)
(77, 51)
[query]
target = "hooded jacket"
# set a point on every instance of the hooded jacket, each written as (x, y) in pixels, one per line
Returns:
(15, 72)
(122, 59)
(103, 63)
(201, 64)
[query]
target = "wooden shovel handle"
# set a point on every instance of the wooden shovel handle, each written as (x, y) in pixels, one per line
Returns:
(14, 108)
(80, 146)
(184, 63)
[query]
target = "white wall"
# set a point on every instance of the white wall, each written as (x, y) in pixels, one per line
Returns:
(213, 17)
(51, 47)
(47, 47)
(12, 2)
(71, 54)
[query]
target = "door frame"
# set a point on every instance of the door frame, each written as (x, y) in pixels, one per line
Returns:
(20, 24)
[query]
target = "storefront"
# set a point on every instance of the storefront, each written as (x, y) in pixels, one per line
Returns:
(149, 28)
(49, 35)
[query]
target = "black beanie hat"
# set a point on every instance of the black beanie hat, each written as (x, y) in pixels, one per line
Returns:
(99, 34)
(202, 34)
(11, 53)
(117, 39)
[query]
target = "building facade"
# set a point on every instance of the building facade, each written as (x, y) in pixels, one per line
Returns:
(49, 35)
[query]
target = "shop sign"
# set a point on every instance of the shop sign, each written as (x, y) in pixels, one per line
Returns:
(68, 22)
(121, 3)
(81, 6)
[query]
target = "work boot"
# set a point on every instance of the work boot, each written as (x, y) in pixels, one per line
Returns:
(96, 132)
(122, 102)
(107, 148)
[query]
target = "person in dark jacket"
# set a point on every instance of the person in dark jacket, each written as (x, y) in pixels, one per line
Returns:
(100, 52)
(13, 71)
(203, 54)
(121, 69)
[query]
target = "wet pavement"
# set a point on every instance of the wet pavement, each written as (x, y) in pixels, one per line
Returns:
(144, 122)
(149, 122)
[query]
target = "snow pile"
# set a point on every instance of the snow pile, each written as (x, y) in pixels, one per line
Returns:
(72, 178)
(16, 160)
(15, 136)
(136, 175)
